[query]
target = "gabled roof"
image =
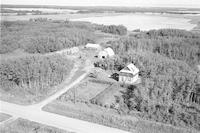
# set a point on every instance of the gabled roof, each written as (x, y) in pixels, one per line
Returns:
(110, 51)
(91, 45)
(131, 68)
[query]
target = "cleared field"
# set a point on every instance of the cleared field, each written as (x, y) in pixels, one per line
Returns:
(84, 91)
(94, 84)
(4, 117)
(108, 96)
(25, 126)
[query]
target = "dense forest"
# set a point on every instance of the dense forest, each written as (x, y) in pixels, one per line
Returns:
(42, 35)
(170, 88)
(33, 74)
(174, 44)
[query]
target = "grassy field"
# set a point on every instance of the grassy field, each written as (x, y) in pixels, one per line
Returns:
(90, 87)
(110, 117)
(85, 91)
(4, 117)
(25, 126)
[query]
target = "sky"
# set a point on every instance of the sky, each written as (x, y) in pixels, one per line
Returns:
(130, 3)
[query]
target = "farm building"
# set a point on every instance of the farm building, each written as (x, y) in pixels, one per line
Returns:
(69, 51)
(108, 52)
(92, 46)
(129, 74)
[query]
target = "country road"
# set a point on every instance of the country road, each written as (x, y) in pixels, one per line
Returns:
(58, 121)
(36, 114)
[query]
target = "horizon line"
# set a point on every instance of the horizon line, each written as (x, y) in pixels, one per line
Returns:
(102, 6)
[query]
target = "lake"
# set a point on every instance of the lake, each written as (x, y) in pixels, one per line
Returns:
(143, 21)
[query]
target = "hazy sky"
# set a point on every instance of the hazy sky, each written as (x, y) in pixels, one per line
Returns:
(161, 3)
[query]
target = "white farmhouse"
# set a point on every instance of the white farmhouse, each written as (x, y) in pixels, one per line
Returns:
(129, 74)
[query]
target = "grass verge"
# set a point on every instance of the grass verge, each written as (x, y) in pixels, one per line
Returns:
(4, 117)
(110, 117)
(25, 126)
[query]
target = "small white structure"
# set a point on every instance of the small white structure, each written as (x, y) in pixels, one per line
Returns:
(92, 46)
(103, 54)
(69, 51)
(129, 75)
(108, 52)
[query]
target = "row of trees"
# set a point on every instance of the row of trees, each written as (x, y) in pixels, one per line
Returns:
(34, 74)
(185, 47)
(113, 29)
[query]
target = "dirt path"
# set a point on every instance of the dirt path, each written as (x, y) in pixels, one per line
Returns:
(57, 94)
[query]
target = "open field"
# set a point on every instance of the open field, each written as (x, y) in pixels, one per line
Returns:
(25, 126)
(4, 117)
(92, 88)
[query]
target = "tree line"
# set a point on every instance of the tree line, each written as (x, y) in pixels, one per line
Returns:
(43, 36)
(114, 29)
(174, 45)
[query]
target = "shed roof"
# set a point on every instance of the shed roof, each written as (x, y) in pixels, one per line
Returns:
(131, 68)
(91, 45)
(109, 51)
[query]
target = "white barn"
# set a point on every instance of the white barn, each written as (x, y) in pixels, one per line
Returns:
(129, 74)
(108, 52)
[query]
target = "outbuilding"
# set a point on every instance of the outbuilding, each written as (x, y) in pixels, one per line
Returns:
(69, 51)
(92, 46)
(129, 74)
(108, 52)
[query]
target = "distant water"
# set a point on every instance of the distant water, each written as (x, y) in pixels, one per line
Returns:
(44, 10)
(142, 21)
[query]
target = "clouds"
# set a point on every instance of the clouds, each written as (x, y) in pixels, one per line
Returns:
(146, 3)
